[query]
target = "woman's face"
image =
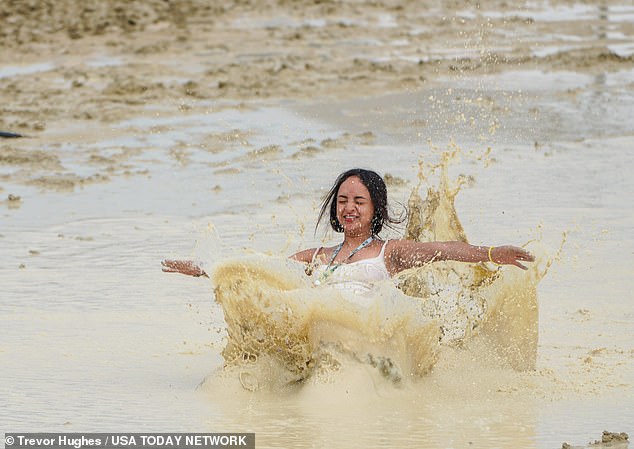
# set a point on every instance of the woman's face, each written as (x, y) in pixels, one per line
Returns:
(354, 207)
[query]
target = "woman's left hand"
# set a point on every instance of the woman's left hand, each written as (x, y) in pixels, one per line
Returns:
(510, 255)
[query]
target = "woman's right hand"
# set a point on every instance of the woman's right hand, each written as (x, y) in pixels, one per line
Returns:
(187, 267)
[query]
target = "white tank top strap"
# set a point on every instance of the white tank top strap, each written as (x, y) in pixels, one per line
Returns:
(310, 267)
(382, 253)
(312, 260)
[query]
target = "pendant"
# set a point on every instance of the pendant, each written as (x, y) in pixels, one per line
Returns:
(317, 282)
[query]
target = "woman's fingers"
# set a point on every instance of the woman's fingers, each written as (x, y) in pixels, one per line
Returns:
(169, 265)
(525, 255)
(176, 266)
(187, 267)
(513, 255)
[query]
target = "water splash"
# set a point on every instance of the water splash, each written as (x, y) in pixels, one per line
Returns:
(283, 331)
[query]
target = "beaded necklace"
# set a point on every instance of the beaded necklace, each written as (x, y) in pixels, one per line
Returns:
(330, 268)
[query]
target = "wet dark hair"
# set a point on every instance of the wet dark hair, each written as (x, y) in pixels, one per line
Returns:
(378, 194)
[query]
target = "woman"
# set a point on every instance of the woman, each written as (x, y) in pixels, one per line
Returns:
(357, 207)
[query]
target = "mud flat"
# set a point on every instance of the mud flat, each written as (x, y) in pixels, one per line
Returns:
(184, 129)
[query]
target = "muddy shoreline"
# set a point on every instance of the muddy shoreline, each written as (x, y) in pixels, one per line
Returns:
(72, 71)
(109, 61)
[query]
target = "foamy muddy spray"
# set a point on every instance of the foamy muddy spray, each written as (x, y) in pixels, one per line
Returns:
(284, 332)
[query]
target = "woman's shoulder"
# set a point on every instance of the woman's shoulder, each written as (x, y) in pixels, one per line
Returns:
(391, 244)
(403, 243)
(308, 255)
(305, 255)
(402, 247)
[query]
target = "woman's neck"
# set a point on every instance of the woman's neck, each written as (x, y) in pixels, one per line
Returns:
(354, 240)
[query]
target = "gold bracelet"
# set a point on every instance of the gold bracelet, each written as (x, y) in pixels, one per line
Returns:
(491, 258)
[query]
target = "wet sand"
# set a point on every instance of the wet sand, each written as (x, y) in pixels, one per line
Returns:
(79, 77)
(158, 131)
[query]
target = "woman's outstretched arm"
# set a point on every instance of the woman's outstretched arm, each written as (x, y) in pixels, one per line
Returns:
(404, 254)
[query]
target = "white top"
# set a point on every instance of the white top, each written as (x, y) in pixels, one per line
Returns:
(358, 276)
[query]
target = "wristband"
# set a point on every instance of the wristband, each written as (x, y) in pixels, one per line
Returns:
(491, 258)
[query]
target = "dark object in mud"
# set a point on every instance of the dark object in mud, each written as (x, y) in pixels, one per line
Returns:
(612, 437)
(608, 439)
(8, 135)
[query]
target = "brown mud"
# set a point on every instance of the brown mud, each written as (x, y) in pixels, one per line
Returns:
(73, 69)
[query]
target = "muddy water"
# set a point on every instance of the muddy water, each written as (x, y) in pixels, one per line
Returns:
(95, 337)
